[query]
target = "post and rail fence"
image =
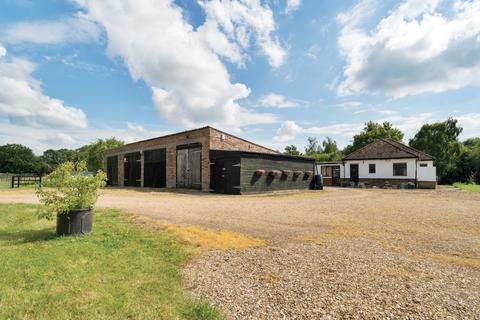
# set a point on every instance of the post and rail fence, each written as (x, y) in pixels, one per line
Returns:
(25, 180)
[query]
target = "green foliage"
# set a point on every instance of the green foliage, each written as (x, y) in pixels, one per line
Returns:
(329, 145)
(440, 140)
(15, 158)
(372, 131)
(292, 150)
(93, 154)
(67, 188)
(467, 186)
(467, 165)
(329, 152)
(53, 158)
(313, 147)
(120, 271)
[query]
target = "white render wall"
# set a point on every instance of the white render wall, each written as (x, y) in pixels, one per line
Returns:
(383, 168)
(428, 173)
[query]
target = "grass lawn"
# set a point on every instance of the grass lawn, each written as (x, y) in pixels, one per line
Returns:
(468, 187)
(4, 184)
(121, 271)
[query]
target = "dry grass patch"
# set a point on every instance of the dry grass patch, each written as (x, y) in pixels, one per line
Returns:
(206, 239)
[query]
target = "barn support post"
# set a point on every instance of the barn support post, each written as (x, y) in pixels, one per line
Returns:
(120, 173)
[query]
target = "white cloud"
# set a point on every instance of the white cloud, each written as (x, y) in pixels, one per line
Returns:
(60, 139)
(289, 130)
(349, 104)
(277, 101)
(22, 100)
(40, 139)
(313, 52)
(292, 5)
(190, 84)
(471, 125)
(417, 48)
(72, 29)
(231, 26)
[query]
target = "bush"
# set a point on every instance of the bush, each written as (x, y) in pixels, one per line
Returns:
(69, 187)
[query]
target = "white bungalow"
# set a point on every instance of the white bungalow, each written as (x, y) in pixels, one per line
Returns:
(380, 163)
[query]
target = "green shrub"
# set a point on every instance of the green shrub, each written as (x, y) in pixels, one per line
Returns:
(69, 187)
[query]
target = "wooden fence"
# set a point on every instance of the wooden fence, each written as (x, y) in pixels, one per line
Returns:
(23, 180)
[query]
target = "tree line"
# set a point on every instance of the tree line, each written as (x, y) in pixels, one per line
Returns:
(456, 161)
(16, 158)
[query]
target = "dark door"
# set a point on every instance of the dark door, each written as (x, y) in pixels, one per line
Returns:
(154, 172)
(132, 169)
(189, 162)
(112, 170)
(335, 175)
(226, 174)
(354, 172)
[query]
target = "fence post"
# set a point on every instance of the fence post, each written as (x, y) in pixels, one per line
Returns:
(40, 182)
(18, 182)
(12, 178)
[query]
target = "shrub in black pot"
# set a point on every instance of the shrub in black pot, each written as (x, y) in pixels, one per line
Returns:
(69, 193)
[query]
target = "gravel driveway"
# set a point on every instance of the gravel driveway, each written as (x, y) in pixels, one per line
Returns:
(338, 253)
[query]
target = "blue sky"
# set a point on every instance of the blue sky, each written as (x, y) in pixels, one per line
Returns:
(273, 71)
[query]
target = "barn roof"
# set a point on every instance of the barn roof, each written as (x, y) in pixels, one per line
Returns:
(387, 149)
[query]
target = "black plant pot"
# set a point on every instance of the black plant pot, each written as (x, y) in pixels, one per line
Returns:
(75, 222)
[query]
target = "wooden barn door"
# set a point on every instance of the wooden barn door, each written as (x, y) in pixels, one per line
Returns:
(189, 161)
(132, 169)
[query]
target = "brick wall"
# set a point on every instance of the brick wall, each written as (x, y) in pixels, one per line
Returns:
(223, 141)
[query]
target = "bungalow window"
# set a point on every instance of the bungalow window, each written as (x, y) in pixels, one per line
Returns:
(371, 168)
(423, 164)
(400, 169)
(327, 171)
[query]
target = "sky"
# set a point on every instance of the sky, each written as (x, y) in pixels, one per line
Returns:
(271, 71)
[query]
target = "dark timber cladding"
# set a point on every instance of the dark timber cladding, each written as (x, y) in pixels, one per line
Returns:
(155, 173)
(238, 172)
(132, 169)
(112, 170)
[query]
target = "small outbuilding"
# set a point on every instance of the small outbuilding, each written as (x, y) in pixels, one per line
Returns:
(381, 163)
(206, 159)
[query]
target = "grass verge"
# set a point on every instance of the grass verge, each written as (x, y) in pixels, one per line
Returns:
(467, 186)
(121, 271)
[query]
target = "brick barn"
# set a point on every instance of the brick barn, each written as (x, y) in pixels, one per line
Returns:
(206, 159)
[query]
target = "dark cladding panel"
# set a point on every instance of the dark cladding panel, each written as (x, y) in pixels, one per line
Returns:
(234, 172)
(112, 170)
(154, 172)
(132, 169)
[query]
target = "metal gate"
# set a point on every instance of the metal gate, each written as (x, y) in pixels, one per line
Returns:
(189, 161)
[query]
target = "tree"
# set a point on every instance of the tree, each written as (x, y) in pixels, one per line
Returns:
(16, 158)
(292, 150)
(94, 153)
(313, 147)
(472, 142)
(53, 158)
(440, 140)
(329, 145)
(372, 131)
(467, 167)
